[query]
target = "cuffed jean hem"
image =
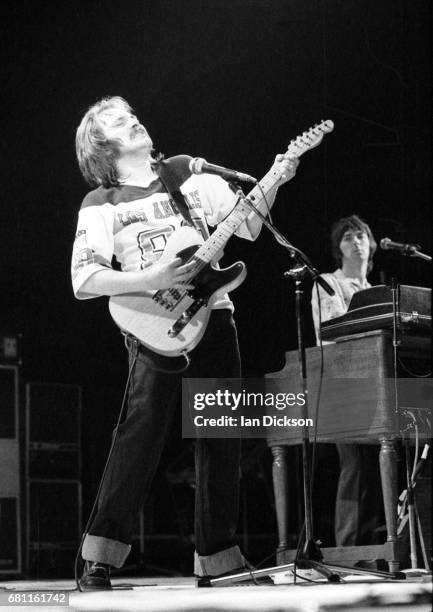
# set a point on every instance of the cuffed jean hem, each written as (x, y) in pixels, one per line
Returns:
(104, 550)
(218, 563)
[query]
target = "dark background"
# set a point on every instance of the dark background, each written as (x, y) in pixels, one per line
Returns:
(232, 81)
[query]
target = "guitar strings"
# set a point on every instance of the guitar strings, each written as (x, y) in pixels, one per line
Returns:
(199, 263)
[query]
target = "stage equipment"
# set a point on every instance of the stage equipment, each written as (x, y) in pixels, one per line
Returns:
(406, 310)
(373, 308)
(403, 412)
(53, 476)
(10, 498)
(369, 417)
(418, 510)
(411, 250)
(198, 165)
(311, 556)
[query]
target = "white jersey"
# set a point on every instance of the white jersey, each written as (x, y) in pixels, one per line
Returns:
(132, 224)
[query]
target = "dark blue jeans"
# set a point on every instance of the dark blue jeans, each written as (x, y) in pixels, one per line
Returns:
(154, 395)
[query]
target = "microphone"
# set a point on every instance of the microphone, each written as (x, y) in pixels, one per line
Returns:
(198, 165)
(406, 249)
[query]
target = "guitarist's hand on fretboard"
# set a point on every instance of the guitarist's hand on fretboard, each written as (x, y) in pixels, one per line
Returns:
(286, 165)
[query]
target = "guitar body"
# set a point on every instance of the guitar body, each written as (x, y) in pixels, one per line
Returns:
(155, 317)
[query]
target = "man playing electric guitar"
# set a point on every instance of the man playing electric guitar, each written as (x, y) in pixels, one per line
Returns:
(131, 216)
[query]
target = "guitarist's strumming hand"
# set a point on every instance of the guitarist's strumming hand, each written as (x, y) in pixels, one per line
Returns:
(286, 165)
(168, 275)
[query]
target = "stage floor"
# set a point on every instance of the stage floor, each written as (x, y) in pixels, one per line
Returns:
(181, 595)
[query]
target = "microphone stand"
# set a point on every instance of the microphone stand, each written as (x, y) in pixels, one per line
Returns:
(311, 557)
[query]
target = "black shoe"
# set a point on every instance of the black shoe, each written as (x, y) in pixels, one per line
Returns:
(96, 577)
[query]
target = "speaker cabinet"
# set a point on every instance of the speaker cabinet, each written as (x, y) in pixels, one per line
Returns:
(8, 402)
(54, 527)
(10, 508)
(54, 413)
(53, 477)
(55, 512)
(10, 536)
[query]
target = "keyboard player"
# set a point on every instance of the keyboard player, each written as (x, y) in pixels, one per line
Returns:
(358, 503)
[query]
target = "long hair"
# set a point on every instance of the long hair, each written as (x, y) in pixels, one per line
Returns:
(356, 224)
(97, 155)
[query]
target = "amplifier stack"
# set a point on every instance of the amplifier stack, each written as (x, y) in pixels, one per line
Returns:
(10, 498)
(53, 477)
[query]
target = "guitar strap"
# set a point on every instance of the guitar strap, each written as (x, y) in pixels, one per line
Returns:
(173, 173)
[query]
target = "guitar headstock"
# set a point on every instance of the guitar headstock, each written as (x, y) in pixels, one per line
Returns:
(309, 139)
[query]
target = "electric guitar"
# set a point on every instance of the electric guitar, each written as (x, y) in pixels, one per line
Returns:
(173, 321)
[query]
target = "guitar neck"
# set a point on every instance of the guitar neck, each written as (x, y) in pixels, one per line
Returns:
(227, 228)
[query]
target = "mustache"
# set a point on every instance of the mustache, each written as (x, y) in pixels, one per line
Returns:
(137, 130)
